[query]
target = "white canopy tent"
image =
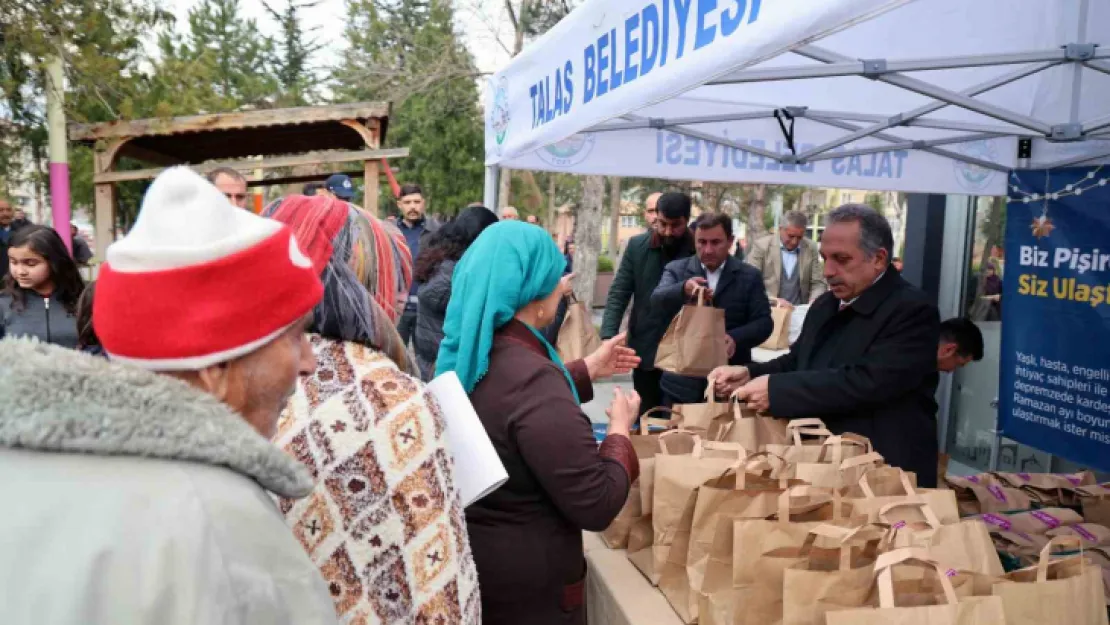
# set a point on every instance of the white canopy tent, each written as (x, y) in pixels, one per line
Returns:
(904, 95)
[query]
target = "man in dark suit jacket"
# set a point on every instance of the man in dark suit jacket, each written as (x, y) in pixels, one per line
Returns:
(732, 285)
(866, 360)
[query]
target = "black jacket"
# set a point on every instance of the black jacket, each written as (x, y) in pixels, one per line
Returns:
(434, 296)
(739, 293)
(639, 273)
(869, 369)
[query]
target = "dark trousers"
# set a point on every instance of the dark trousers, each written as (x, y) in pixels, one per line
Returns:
(646, 383)
(406, 325)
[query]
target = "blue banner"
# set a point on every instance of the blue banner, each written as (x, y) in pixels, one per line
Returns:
(1054, 381)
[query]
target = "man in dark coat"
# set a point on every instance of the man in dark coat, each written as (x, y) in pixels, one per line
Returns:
(732, 285)
(866, 360)
(417, 229)
(640, 269)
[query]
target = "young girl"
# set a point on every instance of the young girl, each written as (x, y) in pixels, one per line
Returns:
(40, 293)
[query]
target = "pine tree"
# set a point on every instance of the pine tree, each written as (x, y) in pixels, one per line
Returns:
(406, 52)
(294, 50)
(222, 60)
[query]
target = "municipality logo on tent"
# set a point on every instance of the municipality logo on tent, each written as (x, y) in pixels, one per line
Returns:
(499, 112)
(569, 152)
(974, 177)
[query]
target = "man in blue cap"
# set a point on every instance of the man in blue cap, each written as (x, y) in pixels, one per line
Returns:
(339, 185)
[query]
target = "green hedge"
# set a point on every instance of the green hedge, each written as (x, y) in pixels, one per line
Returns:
(604, 264)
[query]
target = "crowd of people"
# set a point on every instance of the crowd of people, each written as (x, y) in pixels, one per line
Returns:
(248, 437)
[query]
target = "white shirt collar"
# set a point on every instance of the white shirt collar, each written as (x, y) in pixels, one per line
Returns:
(713, 277)
(844, 304)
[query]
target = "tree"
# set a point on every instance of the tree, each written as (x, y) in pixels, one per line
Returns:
(757, 209)
(101, 44)
(407, 53)
(294, 72)
(587, 239)
(614, 214)
(221, 58)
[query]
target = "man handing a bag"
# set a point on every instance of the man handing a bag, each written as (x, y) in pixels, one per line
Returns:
(714, 280)
(866, 359)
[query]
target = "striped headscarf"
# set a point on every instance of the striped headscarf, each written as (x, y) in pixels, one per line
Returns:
(359, 267)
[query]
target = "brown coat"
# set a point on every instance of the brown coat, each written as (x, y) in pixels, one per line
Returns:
(766, 256)
(527, 535)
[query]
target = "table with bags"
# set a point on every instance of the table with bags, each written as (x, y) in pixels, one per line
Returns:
(742, 519)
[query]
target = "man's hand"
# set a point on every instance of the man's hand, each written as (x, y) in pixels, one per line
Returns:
(693, 284)
(611, 358)
(781, 303)
(755, 395)
(725, 380)
(730, 347)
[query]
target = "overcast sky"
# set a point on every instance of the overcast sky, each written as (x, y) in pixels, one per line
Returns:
(481, 23)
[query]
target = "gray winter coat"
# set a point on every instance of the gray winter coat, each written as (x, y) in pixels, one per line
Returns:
(54, 326)
(434, 295)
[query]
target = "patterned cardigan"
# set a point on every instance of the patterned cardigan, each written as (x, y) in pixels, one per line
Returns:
(384, 523)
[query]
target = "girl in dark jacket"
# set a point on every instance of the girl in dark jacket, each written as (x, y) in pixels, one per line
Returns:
(40, 293)
(434, 268)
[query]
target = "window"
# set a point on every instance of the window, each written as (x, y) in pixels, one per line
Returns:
(845, 198)
(629, 221)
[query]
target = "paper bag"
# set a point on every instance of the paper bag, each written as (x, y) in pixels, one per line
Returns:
(965, 545)
(578, 337)
(1089, 534)
(911, 602)
(754, 431)
(830, 579)
(641, 533)
(1061, 592)
(672, 507)
(982, 493)
(840, 558)
(942, 502)
(806, 437)
(841, 475)
(1031, 522)
(700, 417)
(693, 344)
(674, 579)
(780, 335)
(646, 446)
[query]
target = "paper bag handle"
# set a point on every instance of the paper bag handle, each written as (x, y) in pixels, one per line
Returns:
(700, 293)
(808, 422)
(845, 536)
(701, 445)
(931, 517)
(837, 444)
(1046, 554)
(870, 494)
(762, 457)
(909, 555)
(805, 491)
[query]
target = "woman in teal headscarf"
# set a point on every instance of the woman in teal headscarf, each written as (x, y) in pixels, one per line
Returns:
(527, 535)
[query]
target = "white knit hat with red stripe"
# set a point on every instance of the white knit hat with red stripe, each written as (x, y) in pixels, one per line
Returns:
(197, 281)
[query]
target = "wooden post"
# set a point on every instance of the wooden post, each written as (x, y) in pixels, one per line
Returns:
(104, 198)
(370, 180)
(105, 218)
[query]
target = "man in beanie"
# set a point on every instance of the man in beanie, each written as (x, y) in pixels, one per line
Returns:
(139, 490)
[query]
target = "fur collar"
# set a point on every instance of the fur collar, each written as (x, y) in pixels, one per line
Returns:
(60, 400)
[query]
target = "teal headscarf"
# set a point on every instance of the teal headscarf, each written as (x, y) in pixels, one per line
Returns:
(509, 265)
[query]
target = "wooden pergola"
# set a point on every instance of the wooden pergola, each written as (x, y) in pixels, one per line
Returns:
(246, 141)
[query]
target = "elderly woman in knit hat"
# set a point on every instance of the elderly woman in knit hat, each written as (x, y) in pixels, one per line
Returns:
(137, 491)
(384, 522)
(527, 535)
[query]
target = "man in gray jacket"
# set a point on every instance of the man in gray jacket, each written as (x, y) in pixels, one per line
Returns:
(789, 262)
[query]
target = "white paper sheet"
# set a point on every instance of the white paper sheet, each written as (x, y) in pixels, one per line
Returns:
(797, 318)
(478, 470)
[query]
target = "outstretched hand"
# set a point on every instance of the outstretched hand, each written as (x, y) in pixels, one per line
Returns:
(612, 358)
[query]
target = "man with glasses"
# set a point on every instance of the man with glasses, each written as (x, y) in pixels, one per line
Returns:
(232, 184)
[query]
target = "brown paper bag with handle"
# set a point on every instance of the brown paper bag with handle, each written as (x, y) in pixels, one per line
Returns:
(916, 601)
(802, 507)
(837, 475)
(693, 344)
(963, 546)
(702, 416)
(1089, 534)
(780, 335)
(830, 579)
(942, 502)
(805, 437)
(1067, 591)
(578, 337)
(753, 430)
(641, 534)
(676, 480)
(680, 573)
(837, 556)
(646, 446)
(982, 493)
